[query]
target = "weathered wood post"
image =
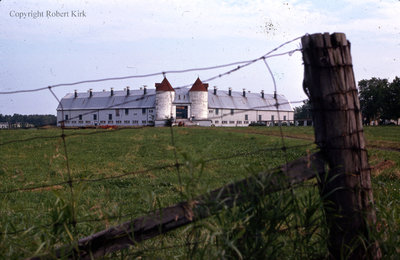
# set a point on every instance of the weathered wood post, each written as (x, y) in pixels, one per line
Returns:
(329, 82)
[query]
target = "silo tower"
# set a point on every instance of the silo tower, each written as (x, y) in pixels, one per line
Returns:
(198, 95)
(165, 95)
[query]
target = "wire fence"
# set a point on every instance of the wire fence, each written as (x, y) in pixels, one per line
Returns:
(178, 164)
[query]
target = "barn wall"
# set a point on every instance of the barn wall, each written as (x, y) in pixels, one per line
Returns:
(199, 104)
(238, 118)
(164, 104)
(134, 116)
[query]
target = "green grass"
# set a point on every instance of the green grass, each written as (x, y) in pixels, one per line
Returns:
(211, 157)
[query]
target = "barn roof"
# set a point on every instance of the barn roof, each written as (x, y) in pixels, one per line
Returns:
(137, 99)
(102, 100)
(251, 101)
(164, 86)
(199, 86)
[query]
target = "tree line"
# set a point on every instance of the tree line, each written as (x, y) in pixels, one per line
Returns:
(18, 120)
(379, 101)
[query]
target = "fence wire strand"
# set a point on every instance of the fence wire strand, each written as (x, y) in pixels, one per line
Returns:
(106, 131)
(156, 168)
(164, 73)
(63, 136)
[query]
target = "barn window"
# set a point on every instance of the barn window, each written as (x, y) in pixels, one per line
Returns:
(210, 111)
(259, 117)
(216, 111)
(109, 116)
(232, 111)
(144, 122)
(246, 117)
(94, 117)
(272, 117)
(126, 111)
(284, 118)
(80, 117)
(231, 122)
(116, 112)
(66, 117)
(150, 110)
(143, 110)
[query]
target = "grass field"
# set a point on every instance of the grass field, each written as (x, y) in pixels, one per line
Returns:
(122, 174)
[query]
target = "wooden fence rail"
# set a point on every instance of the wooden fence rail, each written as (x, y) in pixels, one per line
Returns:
(183, 213)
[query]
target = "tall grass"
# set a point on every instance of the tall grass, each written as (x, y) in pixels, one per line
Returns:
(286, 224)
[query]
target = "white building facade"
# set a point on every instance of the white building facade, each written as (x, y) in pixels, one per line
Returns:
(4, 125)
(155, 107)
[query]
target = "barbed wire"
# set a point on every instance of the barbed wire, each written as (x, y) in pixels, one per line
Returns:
(96, 132)
(160, 167)
(266, 56)
(71, 189)
(247, 63)
(71, 181)
(277, 109)
(123, 127)
(173, 165)
(164, 73)
(155, 210)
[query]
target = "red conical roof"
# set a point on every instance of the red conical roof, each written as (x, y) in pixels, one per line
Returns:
(164, 86)
(199, 86)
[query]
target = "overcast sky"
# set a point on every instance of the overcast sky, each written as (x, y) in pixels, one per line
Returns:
(96, 39)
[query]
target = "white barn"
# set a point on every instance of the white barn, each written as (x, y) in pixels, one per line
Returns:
(196, 105)
(4, 125)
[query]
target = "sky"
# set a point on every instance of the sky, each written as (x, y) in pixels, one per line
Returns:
(48, 42)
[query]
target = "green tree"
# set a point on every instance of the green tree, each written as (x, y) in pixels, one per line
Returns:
(36, 120)
(303, 111)
(392, 100)
(372, 94)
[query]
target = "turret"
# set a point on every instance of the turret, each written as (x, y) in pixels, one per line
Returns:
(198, 95)
(165, 95)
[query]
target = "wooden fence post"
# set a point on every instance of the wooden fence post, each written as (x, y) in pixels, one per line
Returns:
(329, 82)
